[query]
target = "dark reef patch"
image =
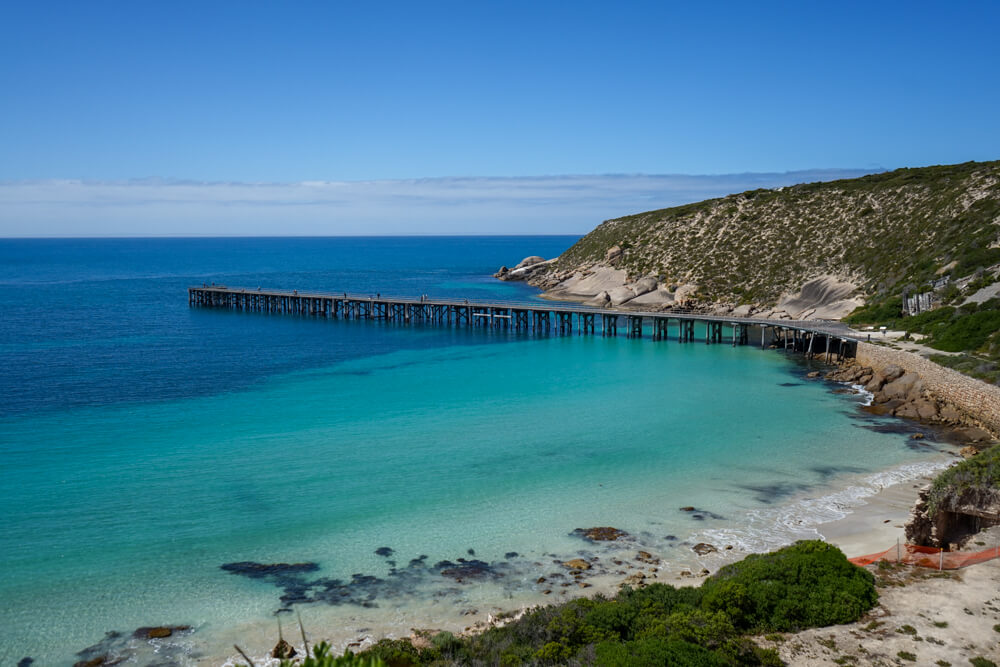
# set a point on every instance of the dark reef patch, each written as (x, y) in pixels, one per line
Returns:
(826, 472)
(699, 514)
(384, 551)
(769, 493)
(254, 570)
(364, 590)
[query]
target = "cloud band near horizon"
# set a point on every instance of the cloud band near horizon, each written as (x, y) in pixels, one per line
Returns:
(528, 205)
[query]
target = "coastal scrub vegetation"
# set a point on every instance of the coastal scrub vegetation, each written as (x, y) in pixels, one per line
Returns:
(882, 231)
(804, 585)
(971, 328)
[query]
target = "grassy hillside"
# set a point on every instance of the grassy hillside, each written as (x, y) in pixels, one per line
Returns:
(880, 232)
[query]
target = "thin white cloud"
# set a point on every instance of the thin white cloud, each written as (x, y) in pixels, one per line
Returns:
(535, 205)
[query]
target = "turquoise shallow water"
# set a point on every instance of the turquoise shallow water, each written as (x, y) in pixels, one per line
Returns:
(433, 442)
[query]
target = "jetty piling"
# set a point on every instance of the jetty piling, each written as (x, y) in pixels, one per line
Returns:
(530, 317)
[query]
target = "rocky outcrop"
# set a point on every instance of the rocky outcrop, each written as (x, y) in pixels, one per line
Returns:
(959, 399)
(949, 521)
(901, 393)
(525, 269)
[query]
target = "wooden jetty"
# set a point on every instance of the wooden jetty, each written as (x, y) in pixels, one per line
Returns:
(829, 340)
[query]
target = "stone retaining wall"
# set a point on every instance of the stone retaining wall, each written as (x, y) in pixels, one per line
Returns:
(975, 398)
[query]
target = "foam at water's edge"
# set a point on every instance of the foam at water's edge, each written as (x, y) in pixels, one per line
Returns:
(768, 529)
(867, 395)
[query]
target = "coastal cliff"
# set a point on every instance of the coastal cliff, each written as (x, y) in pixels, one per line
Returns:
(810, 250)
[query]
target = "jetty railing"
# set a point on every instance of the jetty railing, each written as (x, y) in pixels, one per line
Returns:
(814, 338)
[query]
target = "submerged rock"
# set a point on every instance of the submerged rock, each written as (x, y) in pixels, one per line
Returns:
(577, 564)
(600, 534)
(159, 631)
(703, 548)
(384, 552)
(262, 570)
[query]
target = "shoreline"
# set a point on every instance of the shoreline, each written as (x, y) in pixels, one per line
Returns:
(872, 525)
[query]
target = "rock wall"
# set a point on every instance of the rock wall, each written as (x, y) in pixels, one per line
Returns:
(976, 399)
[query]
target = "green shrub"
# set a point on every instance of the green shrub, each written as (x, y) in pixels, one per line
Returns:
(808, 584)
(968, 332)
(321, 657)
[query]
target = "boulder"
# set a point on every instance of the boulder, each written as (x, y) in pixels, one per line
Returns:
(644, 286)
(880, 377)
(902, 387)
(743, 311)
(703, 548)
(283, 650)
(601, 534)
(974, 434)
(685, 293)
(601, 300)
(620, 295)
(968, 452)
(529, 261)
(159, 632)
(926, 409)
(612, 254)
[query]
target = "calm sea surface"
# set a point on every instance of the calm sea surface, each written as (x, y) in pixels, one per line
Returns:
(144, 444)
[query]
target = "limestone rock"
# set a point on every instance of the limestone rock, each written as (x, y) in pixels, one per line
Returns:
(703, 548)
(529, 261)
(926, 409)
(602, 300)
(612, 254)
(974, 434)
(577, 564)
(159, 632)
(685, 293)
(283, 650)
(743, 311)
(902, 387)
(644, 286)
(601, 534)
(620, 295)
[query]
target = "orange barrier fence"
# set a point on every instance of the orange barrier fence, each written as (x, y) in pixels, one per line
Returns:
(931, 557)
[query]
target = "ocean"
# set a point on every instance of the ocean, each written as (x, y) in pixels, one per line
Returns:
(167, 465)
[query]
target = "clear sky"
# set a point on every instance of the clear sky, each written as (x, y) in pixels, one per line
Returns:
(286, 92)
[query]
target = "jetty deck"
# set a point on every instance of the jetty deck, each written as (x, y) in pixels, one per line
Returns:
(832, 340)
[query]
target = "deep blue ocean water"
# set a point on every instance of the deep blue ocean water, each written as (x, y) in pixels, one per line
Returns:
(144, 444)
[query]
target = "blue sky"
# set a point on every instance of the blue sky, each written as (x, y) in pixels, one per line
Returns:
(281, 93)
